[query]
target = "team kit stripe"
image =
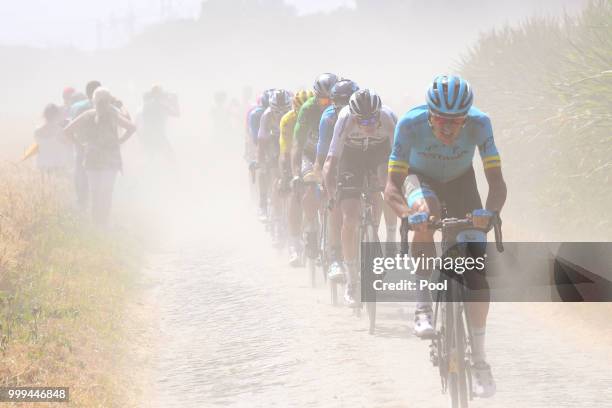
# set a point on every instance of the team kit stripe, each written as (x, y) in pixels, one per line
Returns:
(492, 165)
(491, 162)
(398, 167)
(491, 158)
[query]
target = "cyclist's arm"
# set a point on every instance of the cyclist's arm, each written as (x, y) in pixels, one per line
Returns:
(285, 139)
(334, 153)
(253, 126)
(390, 121)
(329, 176)
(300, 133)
(497, 189)
(296, 159)
(262, 137)
(326, 132)
(492, 167)
(397, 173)
(394, 195)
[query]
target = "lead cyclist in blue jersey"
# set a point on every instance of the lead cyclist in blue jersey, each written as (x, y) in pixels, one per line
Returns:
(430, 163)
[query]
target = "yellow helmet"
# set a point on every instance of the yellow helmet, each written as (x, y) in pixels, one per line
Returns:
(300, 97)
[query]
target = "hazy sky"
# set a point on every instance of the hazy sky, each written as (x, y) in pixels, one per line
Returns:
(77, 22)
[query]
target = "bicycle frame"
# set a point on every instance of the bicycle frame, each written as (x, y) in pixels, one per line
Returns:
(450, 347)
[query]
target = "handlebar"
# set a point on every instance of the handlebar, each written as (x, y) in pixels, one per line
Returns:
(445, 223)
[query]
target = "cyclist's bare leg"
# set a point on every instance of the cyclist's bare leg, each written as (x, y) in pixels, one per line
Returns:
(477, 314)
(275, 197)
(310, 204)
(263, 178)
(377, 208)
(423, 245)
(262, 182)
(351, 217)
(390, 217)
(295, 215)
(335, 227)
(350, 225)
(478, 311)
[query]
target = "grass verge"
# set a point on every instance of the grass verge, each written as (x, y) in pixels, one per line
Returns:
(63, 293)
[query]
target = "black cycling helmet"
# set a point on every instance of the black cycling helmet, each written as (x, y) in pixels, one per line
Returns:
(323, 84)
(364, 103)
(342, 91)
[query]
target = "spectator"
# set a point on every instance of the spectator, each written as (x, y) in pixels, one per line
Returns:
(54, 150)
(102, 154)
(80, 174)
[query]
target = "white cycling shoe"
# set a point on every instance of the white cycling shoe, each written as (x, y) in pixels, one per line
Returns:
(483, 384)
(422, 323)
(336, 272)
(351, 296)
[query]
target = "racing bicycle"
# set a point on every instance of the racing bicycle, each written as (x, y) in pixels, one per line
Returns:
(450, 347)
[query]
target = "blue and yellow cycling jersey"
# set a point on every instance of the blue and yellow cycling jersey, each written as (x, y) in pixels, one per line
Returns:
(415, 147)
(254, 120)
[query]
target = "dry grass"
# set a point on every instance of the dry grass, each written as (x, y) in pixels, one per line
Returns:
(548, 85)
(63, 290)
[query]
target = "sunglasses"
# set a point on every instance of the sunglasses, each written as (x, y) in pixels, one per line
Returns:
(371, 121)
(446, 121)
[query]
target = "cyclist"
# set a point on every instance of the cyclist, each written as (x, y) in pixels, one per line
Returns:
(287, 126)
(305, 139)
(360, 147)
(431, 162)
(254, 117)
(268, 148)
(340, 94)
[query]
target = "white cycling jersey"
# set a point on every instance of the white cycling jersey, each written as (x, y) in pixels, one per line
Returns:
(269, 126)
(348, 132)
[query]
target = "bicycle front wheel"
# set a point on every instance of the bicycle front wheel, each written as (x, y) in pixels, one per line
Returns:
(371, 249)
(457, 368)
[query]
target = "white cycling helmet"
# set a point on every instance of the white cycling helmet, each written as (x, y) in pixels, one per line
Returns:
(324, 84)
(364, 103)
(280, 101)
